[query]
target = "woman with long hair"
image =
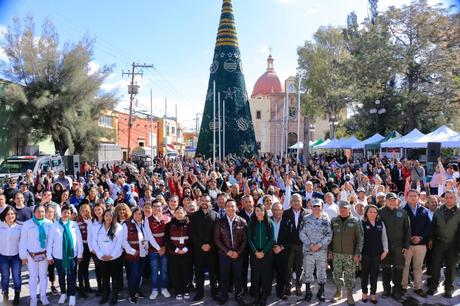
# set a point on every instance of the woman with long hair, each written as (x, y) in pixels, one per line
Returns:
(375, 249)
(179, 248)
(135, 244)
(96, 222)
(32, 250)
(261, 237)
(107, 243)
(84, 224)
(38, 192)
(50, 214)
(10, 231)
(65, 250)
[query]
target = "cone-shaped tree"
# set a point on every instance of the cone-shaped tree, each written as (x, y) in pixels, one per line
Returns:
(227, 74)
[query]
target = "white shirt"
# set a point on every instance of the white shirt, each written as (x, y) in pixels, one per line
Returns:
(55, 240)
(308, 195)
(142, 240)
(93, 226)
(30, 241)
(104, 246)
(230, 224)
(331, 210)
(277, 228)
(10, 239)
(296, 217)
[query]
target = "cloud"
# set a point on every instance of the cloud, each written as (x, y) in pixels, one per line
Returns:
(93, 67)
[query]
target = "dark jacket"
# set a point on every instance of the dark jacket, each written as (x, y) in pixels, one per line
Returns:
(446, 232)
(420, 224)
(347, 236)
(177, 236)
(283, 234)
(289, 218)
(223, 238)
(202, 228)
(397, 225)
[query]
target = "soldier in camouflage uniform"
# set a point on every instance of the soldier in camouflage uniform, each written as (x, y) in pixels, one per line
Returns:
(346, 247)
(315, 234)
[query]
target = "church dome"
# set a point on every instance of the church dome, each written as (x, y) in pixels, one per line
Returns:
(269, 82)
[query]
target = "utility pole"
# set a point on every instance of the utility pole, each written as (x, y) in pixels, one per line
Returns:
(133, 90)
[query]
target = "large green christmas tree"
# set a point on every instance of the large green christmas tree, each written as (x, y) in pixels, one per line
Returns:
(226, 73)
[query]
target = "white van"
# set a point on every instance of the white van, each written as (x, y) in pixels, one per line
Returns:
(16, 166)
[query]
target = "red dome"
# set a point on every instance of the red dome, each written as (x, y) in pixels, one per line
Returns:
(269, 82)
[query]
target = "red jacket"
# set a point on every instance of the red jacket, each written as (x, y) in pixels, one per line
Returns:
(158, 230)
(178, 236)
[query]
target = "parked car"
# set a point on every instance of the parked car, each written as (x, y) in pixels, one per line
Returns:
(18, 165)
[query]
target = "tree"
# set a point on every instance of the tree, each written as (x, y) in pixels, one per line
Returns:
(54, 92)
(427, 45)
(407, 59)
(322, 64)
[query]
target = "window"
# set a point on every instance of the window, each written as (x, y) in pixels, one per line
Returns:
(141, 143)
(173, 130)
(259, 145)
(292, 111)
(167, 130)
(258, 115)
(105, 121)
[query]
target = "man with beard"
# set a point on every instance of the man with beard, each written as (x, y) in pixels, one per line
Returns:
(205, 252)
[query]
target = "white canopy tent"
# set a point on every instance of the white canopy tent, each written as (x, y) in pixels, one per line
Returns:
(399, 142)
(300, 145)
(451, 142)
(325, 143)
(372, 139)
(440, 134)
(348, 143)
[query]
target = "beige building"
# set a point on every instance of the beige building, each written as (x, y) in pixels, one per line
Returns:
(267, 109)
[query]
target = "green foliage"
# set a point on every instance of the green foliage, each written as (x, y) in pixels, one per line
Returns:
(54, 93)
(406, 58)
(324, 73)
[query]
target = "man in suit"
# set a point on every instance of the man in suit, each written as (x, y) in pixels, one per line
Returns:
(396, 175)
(204, 250)
(246, 213)
(293, 218)
(280, 250)
(230, 239)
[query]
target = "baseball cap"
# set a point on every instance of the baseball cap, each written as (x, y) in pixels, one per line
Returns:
(344, 204)
(317, 202)
(361, 189)
(380, 194)
(391, 195)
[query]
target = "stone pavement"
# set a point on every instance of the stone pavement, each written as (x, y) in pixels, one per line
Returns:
(411, 300)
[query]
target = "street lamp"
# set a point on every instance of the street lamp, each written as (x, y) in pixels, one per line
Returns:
(333, 122)
(377, 110)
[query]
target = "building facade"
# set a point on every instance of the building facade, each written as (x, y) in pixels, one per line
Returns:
(268, 112)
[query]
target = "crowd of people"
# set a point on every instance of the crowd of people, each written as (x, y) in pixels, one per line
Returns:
(241, 221)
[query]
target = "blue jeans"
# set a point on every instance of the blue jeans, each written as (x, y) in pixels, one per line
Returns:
(70, 274)
(158, 264)
(13, 264)
(136, 270)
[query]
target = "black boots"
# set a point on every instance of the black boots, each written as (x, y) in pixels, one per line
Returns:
(308, 293)
(16, 298)
(320, 294)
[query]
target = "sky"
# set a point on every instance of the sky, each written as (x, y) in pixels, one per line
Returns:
(177, 37)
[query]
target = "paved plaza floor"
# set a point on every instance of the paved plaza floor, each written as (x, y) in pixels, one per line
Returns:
(411, 298)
